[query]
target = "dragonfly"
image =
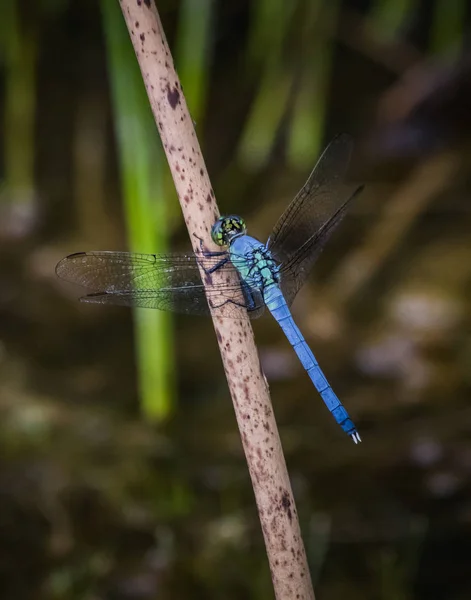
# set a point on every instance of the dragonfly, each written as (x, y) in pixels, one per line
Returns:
(255, 275)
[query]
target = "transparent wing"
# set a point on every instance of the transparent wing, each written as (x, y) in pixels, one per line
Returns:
(163, 281)
(307, 223)
(295, 270)
(320, 198)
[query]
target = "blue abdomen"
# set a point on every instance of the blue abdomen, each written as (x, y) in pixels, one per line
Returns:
(276, 304)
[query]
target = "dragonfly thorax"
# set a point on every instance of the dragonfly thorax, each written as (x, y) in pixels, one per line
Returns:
(254, 262)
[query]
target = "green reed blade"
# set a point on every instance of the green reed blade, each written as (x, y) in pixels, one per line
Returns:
(192, 53)
(142, 168)
(18, 53)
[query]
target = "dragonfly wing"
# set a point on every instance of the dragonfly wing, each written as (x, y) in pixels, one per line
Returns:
(307, 223)
(163, 281)
(296, 269)
(315, 203)
(181, 300)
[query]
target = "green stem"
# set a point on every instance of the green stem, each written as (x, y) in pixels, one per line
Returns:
(145, 206)
(192, 52)
(447, 27)
(388, 16)
(20, 51)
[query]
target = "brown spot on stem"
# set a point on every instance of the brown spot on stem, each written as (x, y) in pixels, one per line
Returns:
(173, 96)
(286, 504)
(246, 392)
(143, 37)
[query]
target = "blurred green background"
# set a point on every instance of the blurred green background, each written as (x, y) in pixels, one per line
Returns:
(121, 472)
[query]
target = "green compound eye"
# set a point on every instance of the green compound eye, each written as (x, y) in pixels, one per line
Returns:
(227, 229)
(217, 232)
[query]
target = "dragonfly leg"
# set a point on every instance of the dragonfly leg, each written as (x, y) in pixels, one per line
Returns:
(216, 267)
(207, 253)
(250, 302)
(239, 304)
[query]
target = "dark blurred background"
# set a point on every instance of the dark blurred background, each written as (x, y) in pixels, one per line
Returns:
(121, 472)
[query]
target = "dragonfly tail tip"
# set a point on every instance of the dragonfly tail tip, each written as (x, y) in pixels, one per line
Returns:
(356, 437)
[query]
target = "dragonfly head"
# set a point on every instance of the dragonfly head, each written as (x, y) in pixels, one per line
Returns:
(226, 229)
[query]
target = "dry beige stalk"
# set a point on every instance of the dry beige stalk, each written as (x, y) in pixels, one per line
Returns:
(255, 418)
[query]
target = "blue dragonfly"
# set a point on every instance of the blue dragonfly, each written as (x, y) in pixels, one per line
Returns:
(268, 275)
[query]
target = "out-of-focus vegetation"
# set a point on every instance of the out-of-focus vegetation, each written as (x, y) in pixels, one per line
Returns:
(143, 180)
(98, 500)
